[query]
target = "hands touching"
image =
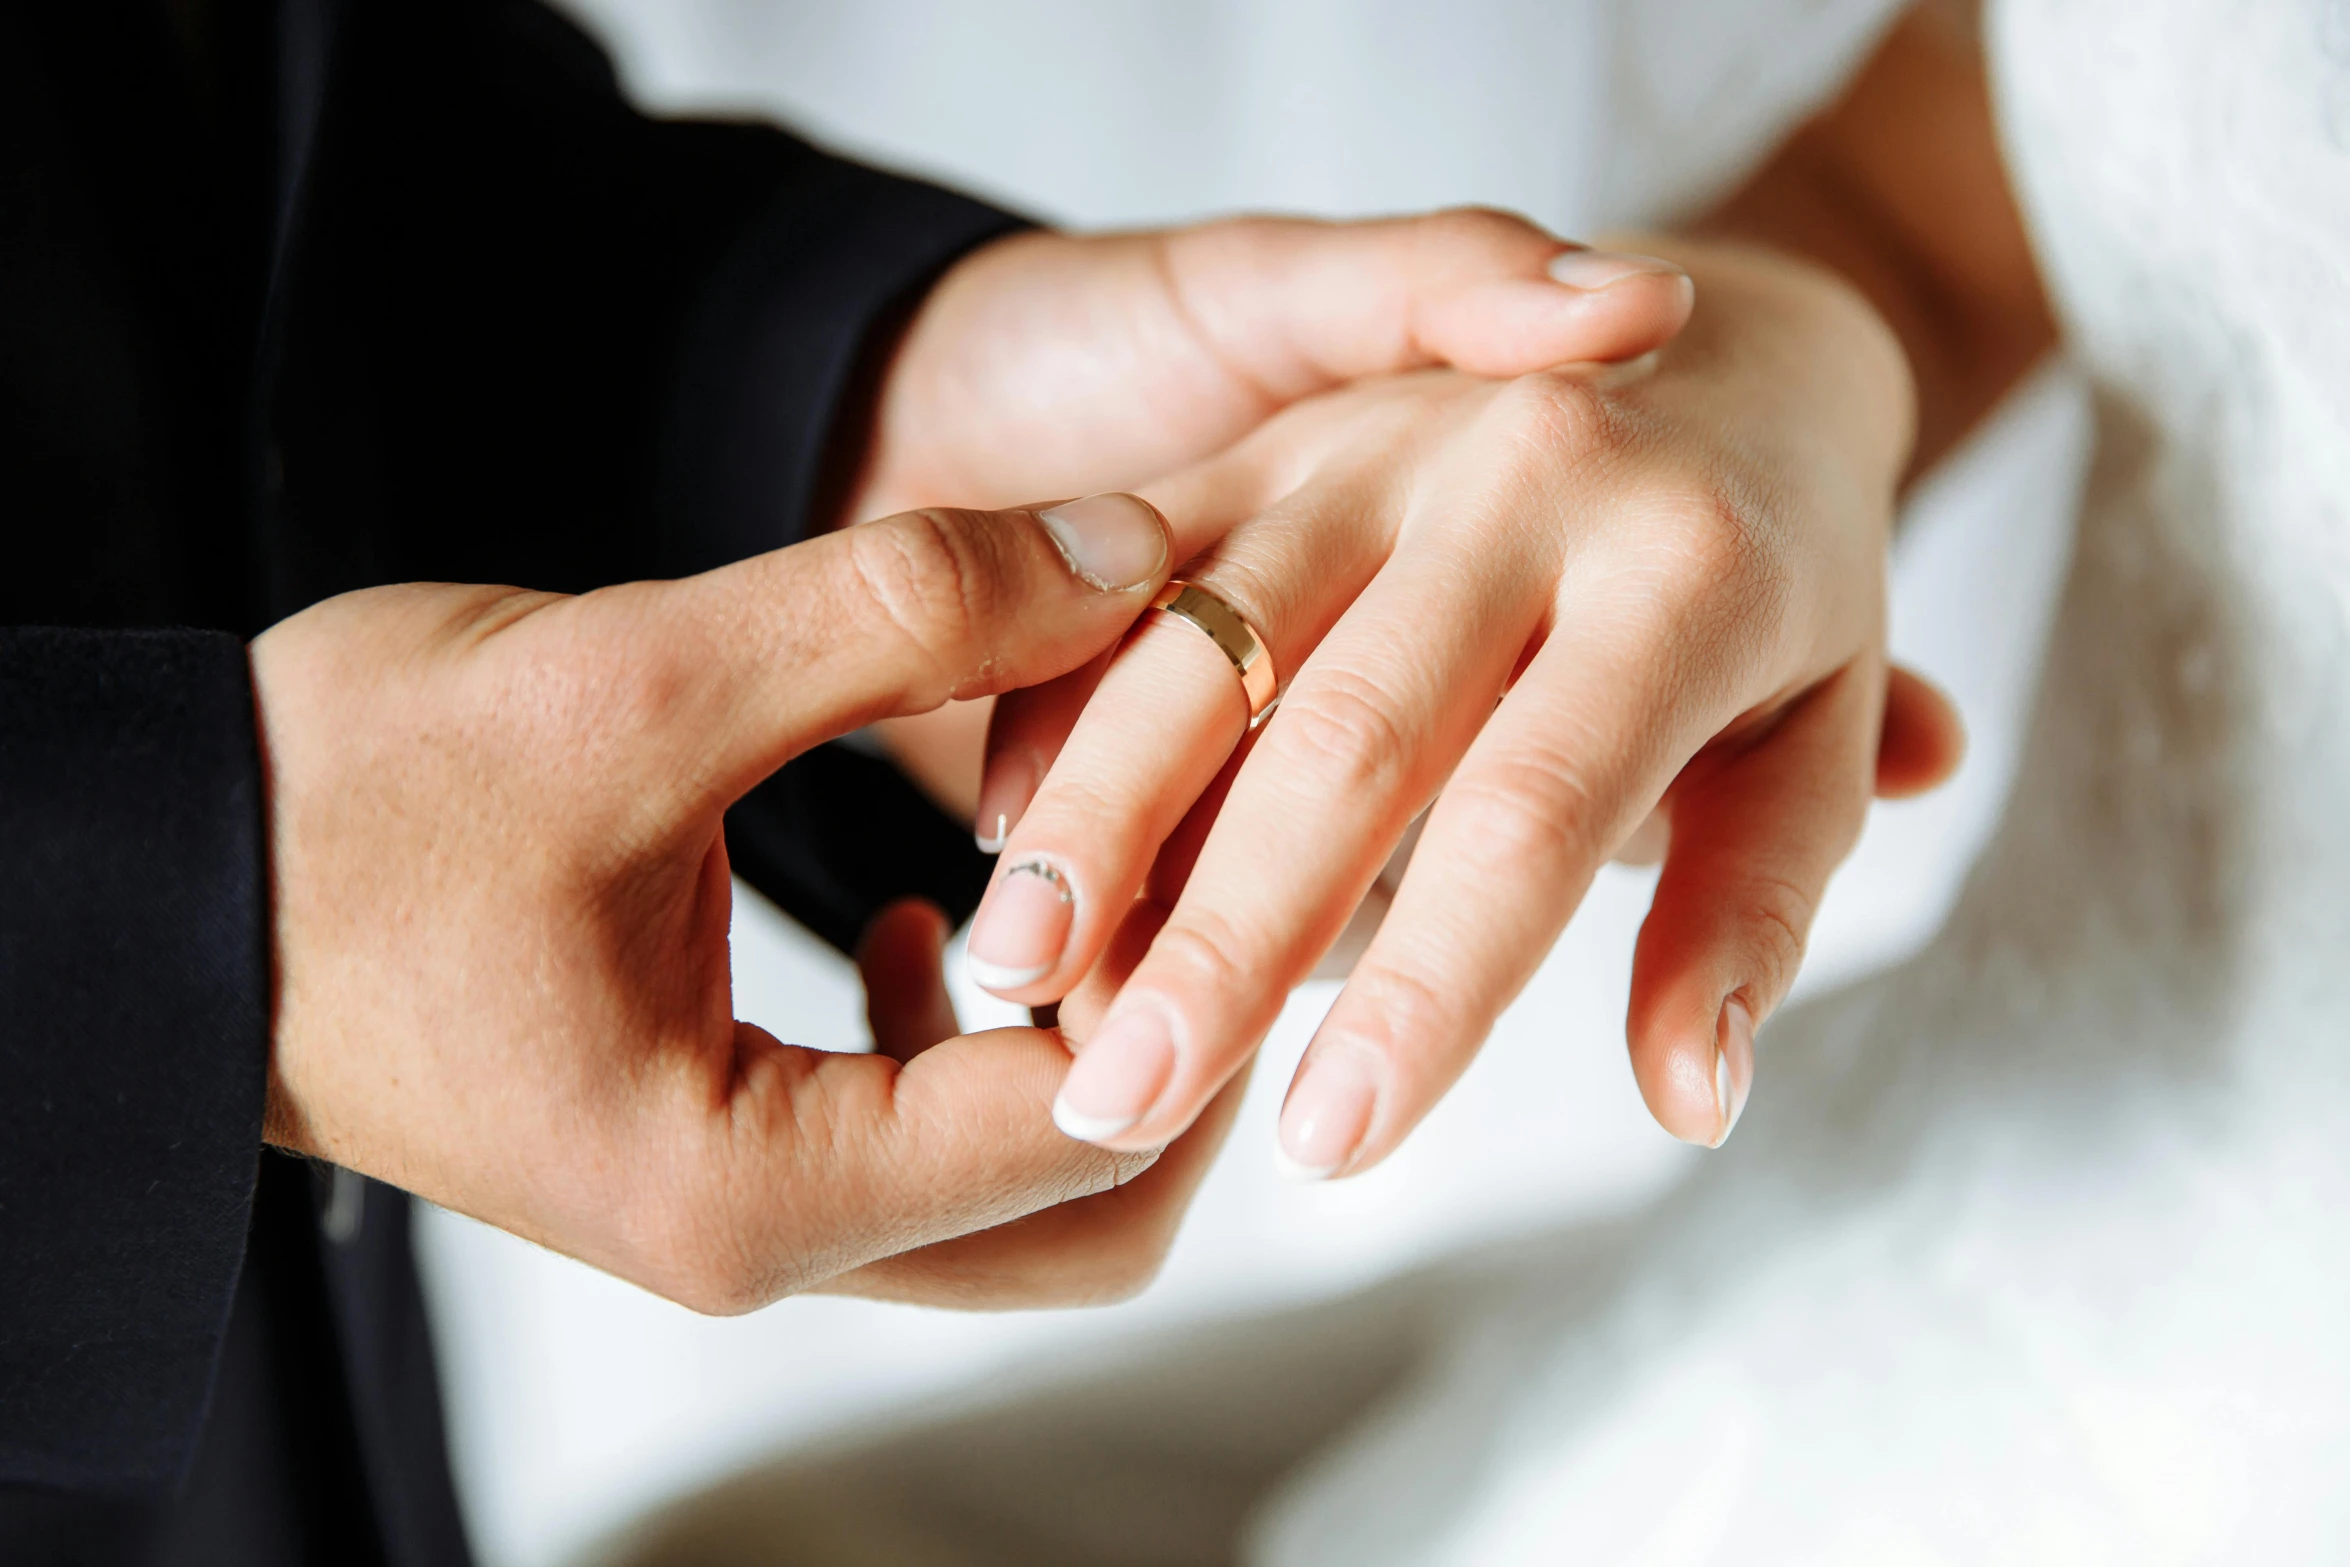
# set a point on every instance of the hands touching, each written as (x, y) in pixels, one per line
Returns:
(502, 901)
(501, 889)
(1556, 606)
(1057, 364)
(501, 885)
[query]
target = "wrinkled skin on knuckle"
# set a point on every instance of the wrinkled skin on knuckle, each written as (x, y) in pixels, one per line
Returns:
(1736, 548)
(1342, 733)
(1478, 230)
(1207, 953)
(1777, 914)
(1709, 570)
(1555, 417)
(1415, 1025)
(1532, 817)
(933, 584)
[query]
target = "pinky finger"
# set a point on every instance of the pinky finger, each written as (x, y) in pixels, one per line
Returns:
(1756, 835)
(1923, 740)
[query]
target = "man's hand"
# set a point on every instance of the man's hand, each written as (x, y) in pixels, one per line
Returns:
(1100, 1247)
(501, 898)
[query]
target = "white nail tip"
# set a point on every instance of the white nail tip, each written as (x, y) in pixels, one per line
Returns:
(994, 845)
(1725, 1116)
(995, 976)
(1089, 1128)
(1303, 1174)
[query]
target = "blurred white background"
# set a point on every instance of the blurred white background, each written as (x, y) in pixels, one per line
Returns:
(576, 1401)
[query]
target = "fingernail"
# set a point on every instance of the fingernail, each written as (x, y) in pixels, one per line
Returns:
(1328, 1112)
(1119, 1075)
(1022, 926)
(1004, 793)
(1592, 270)
(1113, 541)
(1733, 1065)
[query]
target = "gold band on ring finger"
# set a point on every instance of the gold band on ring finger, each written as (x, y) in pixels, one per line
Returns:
(1234, 637)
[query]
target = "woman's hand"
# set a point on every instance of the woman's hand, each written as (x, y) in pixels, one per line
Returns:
(1058, 364)
(1062, 364)
(501, 899)
(1557, 606)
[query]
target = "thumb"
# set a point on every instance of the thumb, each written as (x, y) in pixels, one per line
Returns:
(1298, 306)
(755, 662)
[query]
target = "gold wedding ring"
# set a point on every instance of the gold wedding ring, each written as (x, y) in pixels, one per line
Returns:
(1234, 637)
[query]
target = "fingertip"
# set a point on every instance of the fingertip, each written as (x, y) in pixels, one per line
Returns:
(1733, 1065)
(1327, 1117)
(1691, 1037)
(1683, 1088)
(907, 925)
(1515, 326)
(1112, 542)
(1923, 738)
(901, 961)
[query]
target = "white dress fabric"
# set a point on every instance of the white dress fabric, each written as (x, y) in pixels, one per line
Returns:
(2038, 1248)
(1580, 113)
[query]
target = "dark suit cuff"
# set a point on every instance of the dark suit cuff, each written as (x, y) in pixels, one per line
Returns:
(781, 361)
(782, 353)
(134, 1042)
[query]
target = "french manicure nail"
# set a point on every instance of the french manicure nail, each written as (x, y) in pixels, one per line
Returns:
(1119, 1075)
(1593, 270)
(1112, 541)
(1733, 1065)
(1328, 1112)
(1022, 927)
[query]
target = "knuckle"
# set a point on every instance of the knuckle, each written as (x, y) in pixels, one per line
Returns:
(1478, 226)
(633, 695)
(929, 580)
(1778, 912)
(1529, 814)
(1345, 734)
(1552, 413)
(1722, 552)
(1208, 949)
(1415, 1019)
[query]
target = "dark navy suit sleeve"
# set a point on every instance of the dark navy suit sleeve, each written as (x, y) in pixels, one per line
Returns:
(133, 1041)
(516, 331)
(534, 336)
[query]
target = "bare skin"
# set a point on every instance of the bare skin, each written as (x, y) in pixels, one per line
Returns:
(502, 906)
(1747, 733)
(500, 883)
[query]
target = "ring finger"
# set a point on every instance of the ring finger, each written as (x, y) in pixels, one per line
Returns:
(1163, 719)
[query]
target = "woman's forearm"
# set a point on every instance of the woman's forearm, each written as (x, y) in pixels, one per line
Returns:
(1899, 186)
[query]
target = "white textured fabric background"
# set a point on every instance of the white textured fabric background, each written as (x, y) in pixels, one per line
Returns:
(2041, 1254)
(575, 1401)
